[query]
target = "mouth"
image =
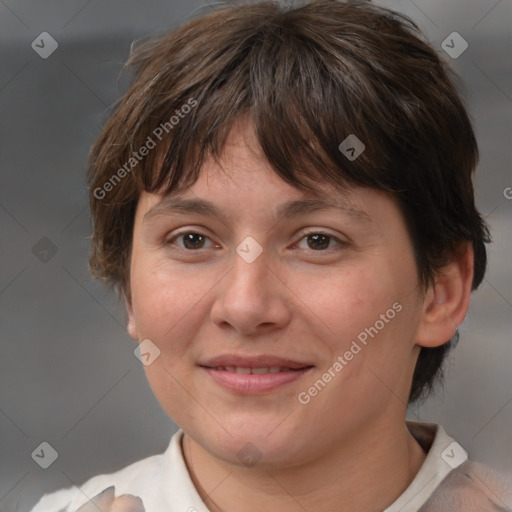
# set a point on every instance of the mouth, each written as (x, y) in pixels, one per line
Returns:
(253, 362)
(255, 371)
(254, 375)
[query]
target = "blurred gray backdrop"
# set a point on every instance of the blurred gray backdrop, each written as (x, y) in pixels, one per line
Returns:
(68, 375)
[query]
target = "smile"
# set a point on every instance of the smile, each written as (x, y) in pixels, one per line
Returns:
(255, 371)
(253, 381)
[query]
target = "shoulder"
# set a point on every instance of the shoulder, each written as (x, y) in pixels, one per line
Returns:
(126, 480)
(472, 487)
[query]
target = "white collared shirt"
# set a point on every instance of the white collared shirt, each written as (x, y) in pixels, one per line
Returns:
(164, 483)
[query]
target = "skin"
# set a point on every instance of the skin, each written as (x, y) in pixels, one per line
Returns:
(296, 301)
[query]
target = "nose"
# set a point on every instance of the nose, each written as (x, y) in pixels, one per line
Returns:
(251, 298)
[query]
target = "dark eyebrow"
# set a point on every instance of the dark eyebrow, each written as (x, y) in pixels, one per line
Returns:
(286, 210)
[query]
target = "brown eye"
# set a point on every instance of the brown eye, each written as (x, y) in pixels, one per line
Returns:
(190, 240)
(193, 240)
(318, 241)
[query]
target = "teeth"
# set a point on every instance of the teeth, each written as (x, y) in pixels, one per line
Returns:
(260, 370)
(254, 371)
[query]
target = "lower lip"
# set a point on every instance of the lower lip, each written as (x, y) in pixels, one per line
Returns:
(252, 384)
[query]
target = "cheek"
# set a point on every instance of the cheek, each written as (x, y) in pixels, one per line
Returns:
(151, 296)
(167, 304)
(365, 314)
(345, 300)
(165, 311)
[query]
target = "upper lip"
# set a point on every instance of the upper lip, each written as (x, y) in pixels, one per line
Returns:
(259, 361)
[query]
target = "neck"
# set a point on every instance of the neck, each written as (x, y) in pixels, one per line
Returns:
(354, 476)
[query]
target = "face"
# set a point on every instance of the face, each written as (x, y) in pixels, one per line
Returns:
(322, 300)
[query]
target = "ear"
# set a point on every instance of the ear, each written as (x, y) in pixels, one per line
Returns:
(132, 326)
(447, 302)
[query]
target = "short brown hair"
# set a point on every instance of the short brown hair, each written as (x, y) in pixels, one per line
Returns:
(308, 76)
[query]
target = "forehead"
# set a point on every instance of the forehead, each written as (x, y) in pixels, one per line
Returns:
(213, 208)
(241, 178)
(242, 164)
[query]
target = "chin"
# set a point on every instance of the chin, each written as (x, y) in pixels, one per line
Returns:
(254, 445)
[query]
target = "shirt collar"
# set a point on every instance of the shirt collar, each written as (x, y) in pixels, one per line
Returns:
(444, 455)
(179, 491)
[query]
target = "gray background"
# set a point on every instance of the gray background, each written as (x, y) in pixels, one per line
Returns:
(68, 375)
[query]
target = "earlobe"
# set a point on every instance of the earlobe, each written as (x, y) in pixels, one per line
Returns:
(131, 326)
(446, 304)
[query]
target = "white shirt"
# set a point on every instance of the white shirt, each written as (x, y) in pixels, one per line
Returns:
(164, 484)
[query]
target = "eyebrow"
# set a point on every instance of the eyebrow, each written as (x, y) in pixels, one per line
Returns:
(289, 209)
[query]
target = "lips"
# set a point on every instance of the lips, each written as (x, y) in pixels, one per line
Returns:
(254, 375)
(255, 371)
(240, 364)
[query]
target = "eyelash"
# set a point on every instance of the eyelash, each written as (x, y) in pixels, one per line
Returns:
(340, 243)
